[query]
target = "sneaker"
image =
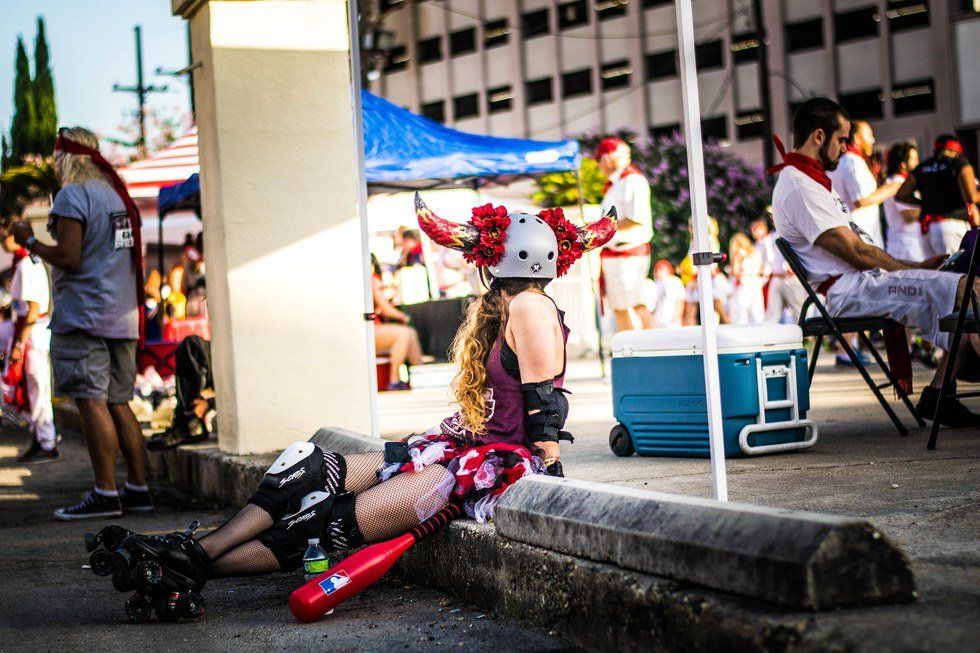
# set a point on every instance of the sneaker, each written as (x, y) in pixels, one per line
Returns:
(842, 360)
(93, 505)
(36, 455)
(954, 413)
(173, 436)
(398, 385)
(135, 501)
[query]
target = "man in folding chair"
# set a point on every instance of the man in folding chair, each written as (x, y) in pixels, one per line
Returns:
(858, 278)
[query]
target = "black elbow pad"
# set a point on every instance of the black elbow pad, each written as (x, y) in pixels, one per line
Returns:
(545, 411)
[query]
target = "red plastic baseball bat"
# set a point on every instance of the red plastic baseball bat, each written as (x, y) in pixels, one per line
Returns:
(360, 570)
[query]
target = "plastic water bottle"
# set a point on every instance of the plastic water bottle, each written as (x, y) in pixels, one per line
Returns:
(315, 560)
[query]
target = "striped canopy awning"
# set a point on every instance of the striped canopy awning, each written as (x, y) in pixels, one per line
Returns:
(169, 166)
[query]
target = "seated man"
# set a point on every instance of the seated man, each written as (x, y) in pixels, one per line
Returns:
(195, 396)
(857, 277)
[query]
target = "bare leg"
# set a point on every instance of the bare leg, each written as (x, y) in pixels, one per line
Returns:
(646, 317)
(131, 442)
(101, 440)
(623, 320)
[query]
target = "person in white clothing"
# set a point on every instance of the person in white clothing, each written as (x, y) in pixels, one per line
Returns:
(905, 240)
(765, 245)
(625, 261)
(854, 181)
(746, 305)
(857, 277)
(670, 295)
(30, 345)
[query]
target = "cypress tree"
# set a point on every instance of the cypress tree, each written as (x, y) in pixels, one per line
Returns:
(23, 121)
(45, 111)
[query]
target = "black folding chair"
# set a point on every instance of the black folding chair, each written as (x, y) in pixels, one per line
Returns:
(825, 325)
(958, 322)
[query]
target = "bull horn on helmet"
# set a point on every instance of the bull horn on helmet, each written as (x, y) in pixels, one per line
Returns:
(600, 232)
(455, 235)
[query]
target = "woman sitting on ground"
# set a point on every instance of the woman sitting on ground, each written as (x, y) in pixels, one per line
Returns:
(511, 357)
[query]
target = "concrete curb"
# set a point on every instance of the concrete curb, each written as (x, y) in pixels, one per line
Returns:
(799, 559)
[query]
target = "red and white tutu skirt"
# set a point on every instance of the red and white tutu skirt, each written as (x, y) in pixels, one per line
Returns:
(479, 473)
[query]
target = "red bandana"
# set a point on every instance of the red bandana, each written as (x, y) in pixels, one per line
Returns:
(627, 171)
(810, 167)
(20, 255)
(72, 147)
(949, 144)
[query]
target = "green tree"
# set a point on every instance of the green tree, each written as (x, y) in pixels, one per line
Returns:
(562, 188)
(45, 127)
(22, 125)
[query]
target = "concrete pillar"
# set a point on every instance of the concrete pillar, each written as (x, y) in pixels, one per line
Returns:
(280, 195)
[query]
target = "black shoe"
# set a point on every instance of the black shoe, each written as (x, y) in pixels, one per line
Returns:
(36, 455)
(93, 505)
(135, 501)
(954, 413)
(174, 436)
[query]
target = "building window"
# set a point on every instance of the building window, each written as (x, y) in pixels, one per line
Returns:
(388, 4)
(607, 9)
(499, 99)
(648, 4)
(863, 104)
(661, 65)
(745, 47)
(496, 32)
(709, 55)
(749, 125)
(665, 131)
(804, 35)
(857, 24)
(397, 59)
(907, 14)
(915, 97)
(615, 75)
(466, 106)
(539, 90)
(573, 14)
(578, 82)
(535, 23)
(462, 42)
(715, 129)
(430, 49)
(435, 110)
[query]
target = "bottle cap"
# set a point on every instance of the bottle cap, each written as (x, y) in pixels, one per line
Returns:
(313, 541)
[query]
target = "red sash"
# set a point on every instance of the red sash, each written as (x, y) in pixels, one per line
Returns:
(72, 147)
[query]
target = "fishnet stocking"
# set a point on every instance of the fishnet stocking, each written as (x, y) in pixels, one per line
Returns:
(249, 559)
(362, 470)
(398, 504)
(244, 526)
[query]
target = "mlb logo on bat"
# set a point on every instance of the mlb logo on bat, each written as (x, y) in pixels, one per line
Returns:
(334, 583)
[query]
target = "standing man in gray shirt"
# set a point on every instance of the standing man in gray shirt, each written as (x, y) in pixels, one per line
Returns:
(96, 320)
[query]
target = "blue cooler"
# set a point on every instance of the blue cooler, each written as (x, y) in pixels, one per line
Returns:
(659, 399)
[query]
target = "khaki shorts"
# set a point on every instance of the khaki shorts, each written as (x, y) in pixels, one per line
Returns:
(623, 280)
(90, 367)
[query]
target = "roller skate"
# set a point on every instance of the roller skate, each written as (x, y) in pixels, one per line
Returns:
(167, 572)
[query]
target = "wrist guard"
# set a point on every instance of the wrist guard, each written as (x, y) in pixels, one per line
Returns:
(545, 412)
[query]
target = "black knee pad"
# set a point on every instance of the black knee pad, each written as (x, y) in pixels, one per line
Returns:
(324, 516)
(301, 469)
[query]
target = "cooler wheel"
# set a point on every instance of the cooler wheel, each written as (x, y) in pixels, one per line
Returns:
(620, 441)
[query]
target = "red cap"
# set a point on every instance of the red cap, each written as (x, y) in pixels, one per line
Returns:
(607, 145)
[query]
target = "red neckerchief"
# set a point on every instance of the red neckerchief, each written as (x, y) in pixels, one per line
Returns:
(854, 149)
(810, 167)
(20, 255)
(72, 147)
(627, 171)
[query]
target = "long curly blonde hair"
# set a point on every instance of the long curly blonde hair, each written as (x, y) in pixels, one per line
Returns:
(485, 320)
(78, 168)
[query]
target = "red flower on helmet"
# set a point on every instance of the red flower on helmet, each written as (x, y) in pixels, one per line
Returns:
(492, 221)
(570, 247)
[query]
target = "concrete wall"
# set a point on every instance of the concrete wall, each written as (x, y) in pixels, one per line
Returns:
(280, 193)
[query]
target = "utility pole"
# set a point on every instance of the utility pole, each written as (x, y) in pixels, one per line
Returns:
(764, 95)
(141, 91)
(186, 70)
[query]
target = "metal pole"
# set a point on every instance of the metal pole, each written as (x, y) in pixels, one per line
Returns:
(699, 216)
(764, 94)
(140, 90)
(160, 243)
(355, 76)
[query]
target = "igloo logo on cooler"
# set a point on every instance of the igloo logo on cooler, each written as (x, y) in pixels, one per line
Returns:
(334, 582)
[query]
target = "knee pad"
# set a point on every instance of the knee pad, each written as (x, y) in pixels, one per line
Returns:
(299, 470)
(322, 515)
(545, 412)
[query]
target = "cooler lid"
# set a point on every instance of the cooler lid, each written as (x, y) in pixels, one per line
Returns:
(687, 340)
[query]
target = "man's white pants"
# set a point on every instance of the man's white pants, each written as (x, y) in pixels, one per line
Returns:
(914, 298)
(785, 294)
(37, 369)
(623, 280)
(945, 237)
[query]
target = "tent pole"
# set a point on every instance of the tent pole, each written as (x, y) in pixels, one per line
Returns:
(703, 257)
(160, 245)
(592, 285)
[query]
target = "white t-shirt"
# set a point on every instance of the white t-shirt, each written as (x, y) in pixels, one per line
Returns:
(669, 292)
(802, 209)
(769, 254)
(630, 194)
(30, 284)
(853, 181)
(898, 228)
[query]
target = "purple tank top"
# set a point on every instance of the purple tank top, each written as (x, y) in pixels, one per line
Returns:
(505, 404)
